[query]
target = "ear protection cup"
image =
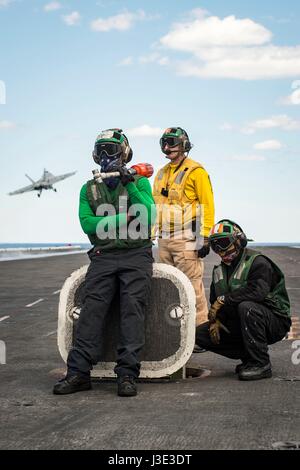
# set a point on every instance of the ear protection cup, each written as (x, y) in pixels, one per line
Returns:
(95, 158)
(127, 152)
(187, 145)
(241, 235)
(186, 142)
(243, 239)
(130, 155)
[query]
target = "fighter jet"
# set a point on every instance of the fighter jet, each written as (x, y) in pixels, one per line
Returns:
(45, 182)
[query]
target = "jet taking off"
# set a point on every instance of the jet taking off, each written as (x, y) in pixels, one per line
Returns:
(45, 182)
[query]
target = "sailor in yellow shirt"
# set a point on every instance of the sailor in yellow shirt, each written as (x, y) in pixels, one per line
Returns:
(185, 213)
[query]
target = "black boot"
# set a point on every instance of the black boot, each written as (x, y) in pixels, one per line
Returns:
(240, 367)
(72, 384)
(197, 349)
(256, 372)
(127, 386)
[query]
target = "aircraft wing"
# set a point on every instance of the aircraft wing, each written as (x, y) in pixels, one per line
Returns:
(55, 179)
(23, 190)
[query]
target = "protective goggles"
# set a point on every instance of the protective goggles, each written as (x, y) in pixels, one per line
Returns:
(111, 149)
(221, 244)
(170, 141)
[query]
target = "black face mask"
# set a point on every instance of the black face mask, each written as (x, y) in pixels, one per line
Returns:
(109, 165)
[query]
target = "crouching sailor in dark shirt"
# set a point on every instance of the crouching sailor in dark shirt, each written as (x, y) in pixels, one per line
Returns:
(250, 307)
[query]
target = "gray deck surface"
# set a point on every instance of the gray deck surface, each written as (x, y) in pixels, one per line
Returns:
(214, 412)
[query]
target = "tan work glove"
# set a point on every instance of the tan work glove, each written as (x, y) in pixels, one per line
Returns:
(214, 331)
(214, 308)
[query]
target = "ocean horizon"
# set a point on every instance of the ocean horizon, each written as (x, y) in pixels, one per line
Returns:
(4, 246)
(41, 245)
(22, 251)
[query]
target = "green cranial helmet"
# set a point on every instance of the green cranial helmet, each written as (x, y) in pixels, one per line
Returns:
(112, 143)
(224, 234)
(174, 136)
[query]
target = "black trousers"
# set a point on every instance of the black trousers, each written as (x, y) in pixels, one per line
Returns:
(252, 327)
(131, 272)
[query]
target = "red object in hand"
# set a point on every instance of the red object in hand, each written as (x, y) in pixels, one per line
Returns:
(143, 169)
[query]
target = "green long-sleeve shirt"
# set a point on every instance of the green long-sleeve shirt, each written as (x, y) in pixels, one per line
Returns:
(140, 193)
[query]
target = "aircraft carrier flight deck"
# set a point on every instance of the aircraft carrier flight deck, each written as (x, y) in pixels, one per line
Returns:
(213, 411)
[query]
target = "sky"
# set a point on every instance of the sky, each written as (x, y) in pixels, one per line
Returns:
(227, 72)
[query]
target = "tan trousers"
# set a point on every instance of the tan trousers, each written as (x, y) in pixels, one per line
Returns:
(180, 253)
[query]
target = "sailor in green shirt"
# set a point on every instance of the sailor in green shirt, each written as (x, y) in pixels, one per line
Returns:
(139, 192)
(116, 216)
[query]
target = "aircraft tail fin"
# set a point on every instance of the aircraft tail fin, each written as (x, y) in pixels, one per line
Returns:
(47, 174)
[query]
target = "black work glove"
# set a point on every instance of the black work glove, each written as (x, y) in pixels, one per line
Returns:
(125, 176)
(205, 248)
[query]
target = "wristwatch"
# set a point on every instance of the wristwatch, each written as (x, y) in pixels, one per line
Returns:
(221, 299)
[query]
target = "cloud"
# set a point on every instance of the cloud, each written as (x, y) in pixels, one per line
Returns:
(229, 48)
(5, 3)
(244, 63)
(5, 125)
(121, 22)
(72, 19)
(198, 13)
(126, 61)
(226, 126)
(278, 20)
(295, 84)
(294, 98)
(212, 31)
(2, 92)
(248, 158)
(52, 6)
(144, 131)
(281, 122)
(268, 145)
(154, 57)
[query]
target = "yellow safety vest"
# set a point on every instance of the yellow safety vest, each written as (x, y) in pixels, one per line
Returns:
(175, 211)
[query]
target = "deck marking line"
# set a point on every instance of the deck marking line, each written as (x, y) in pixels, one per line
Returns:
(51, 333)
(34, 303)
(4, 318)
(56, 292)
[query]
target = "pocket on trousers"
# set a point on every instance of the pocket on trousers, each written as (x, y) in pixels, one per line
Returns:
(192, 266)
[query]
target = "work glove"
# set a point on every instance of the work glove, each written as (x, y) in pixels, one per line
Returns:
(125, 176)
(204, 250)
(214, 308)
(214, 331)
